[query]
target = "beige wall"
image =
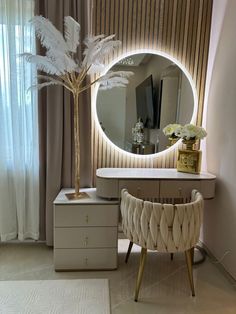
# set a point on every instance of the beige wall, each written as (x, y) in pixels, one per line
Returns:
(219, 232)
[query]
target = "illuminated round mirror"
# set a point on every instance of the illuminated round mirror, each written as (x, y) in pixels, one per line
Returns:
(159, 93)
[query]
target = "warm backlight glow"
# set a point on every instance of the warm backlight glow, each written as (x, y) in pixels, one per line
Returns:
(125, 55)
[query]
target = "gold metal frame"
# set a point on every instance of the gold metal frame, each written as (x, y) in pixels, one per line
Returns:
(189, 262)
(189, 255)
(140, 272)
(76, 196)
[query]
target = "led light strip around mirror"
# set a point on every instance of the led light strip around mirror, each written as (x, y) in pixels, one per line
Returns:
(128, 54)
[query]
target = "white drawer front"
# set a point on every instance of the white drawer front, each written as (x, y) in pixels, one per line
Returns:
(177, 188)
(141, 188)
(82, 237)
(72, 259)
(85, 215)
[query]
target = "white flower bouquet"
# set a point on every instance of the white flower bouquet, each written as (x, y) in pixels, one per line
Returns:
(186, 132)
(171, 130)
(191, 132)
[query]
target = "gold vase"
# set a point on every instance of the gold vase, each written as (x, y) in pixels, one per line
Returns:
(189, 159)
(173, 140)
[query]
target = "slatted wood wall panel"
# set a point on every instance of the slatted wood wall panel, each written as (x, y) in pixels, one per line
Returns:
(180, 28)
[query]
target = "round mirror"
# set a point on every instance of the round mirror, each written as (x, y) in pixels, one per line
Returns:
(159, 93)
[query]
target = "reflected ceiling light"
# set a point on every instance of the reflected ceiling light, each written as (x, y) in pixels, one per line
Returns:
(126, 61)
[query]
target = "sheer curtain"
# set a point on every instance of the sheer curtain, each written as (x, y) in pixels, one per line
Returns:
(19, 165)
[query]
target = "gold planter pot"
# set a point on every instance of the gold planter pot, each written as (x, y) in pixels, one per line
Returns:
(189, 160)
(173, 140)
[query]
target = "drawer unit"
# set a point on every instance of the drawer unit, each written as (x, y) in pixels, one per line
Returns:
(74, 259)
(85, 232)
(92, 237)
(177, 188)
(141, 188)
(85, 215)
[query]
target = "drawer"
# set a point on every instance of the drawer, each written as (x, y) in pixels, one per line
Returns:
(91, 237)
(72, 259)
(177, 188)
(208, 188)
(107, 188)
(141, 188)
(85, 215)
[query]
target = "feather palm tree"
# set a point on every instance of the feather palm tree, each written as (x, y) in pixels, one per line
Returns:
(61, 67)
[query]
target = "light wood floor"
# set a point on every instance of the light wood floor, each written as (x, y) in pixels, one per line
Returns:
(165, 288)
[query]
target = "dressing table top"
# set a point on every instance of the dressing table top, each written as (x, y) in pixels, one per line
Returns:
(150, 173)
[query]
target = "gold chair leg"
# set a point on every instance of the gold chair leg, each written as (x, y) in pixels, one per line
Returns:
(128, 252)
(188, 256)
(140, 272)
(192, 255)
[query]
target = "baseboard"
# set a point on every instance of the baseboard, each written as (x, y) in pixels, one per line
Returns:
(30, 241)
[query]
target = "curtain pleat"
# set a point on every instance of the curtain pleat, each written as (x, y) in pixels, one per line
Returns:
(56, 149)
(19, 163)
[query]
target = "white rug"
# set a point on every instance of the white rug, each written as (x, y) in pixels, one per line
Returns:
(80, 296)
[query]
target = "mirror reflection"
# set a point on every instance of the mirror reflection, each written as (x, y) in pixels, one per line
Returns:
(158, 94)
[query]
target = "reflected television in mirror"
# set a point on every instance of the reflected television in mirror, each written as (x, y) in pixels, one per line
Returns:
(146, 102)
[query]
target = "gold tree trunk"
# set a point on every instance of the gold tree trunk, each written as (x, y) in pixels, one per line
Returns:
(76, 143)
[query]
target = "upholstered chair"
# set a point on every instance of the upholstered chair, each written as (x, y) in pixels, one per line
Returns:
(162, 227)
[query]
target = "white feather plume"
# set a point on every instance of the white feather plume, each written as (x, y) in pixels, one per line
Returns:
(97, 48)
(49, 78)
(60, 63)
(41, 85)
(49, 36)
(114, 79)
(43, 63)
(71, 33)
(96, 68)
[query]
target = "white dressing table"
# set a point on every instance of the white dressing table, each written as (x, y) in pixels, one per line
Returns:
(153, 183)
(85, 230)
(162, 184)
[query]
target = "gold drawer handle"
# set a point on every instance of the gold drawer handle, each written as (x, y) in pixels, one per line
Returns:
(87, 219)
(86, 241)
(86, 261)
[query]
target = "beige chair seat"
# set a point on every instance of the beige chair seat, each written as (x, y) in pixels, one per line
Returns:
(162, 227)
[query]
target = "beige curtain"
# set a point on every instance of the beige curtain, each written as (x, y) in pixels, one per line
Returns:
(56, 122)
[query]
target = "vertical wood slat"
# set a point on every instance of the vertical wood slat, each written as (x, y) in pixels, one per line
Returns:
(174, 26)
(198, 36)
(182, 30)
(205, 59)
(160, 36)
(194, 36)
(179, 27)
